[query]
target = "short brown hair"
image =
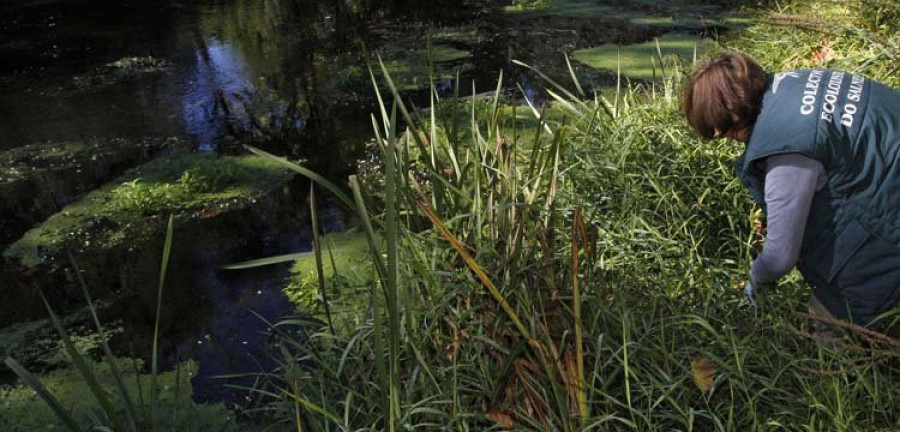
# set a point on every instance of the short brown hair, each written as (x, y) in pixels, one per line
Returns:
(727, 85)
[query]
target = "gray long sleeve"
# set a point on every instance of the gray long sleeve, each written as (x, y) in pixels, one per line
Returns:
(791, 182)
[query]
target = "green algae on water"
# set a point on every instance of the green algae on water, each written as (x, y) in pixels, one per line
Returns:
(23, 410)
(638, 60)
(351, 267)
(409, 67)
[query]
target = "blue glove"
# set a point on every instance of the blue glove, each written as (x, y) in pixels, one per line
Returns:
(751, 294)
(756, 291)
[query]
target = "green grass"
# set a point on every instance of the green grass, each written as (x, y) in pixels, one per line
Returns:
(191, 185)
(846, 37)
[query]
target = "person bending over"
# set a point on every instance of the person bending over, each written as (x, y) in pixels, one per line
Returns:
(822, 158)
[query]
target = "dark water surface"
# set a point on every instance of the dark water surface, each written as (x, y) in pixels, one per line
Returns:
(287, 75)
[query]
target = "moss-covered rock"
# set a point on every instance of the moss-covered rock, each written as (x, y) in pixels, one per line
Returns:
(115, 233)
(37, 180)
(191, 186)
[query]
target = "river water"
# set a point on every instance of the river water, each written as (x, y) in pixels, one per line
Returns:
(286, 75)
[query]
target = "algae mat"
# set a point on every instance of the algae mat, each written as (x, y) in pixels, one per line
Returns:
(22, 410)
(347, 267)
(641, 61)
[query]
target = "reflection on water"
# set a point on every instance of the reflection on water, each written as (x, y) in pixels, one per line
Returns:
(282, 73)
(235, 333)
(60, 84)
(211, 98)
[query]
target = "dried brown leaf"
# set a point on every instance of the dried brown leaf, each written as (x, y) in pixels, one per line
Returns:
(704, 373)
(504, 420)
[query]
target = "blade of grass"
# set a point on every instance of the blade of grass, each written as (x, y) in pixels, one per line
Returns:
(572, 74)
(278, 259)
(154, 375)
(537, 114)
(495, 106)
(306, 172)
(131, 414)
(83, 368)
(312, 407)
(377, 337)
(391, 283)
(561, 88)
(317, 247)
(473, 265)
(576, 310)
(662, 65)
(43, 393)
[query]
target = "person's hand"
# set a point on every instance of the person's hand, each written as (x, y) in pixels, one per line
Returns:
(756, 291)
(751, 292)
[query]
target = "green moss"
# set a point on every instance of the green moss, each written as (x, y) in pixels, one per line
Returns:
(352, 268)
(638, 60)
(407, 63)
(23, 410)
(189, 185)
(653, 21)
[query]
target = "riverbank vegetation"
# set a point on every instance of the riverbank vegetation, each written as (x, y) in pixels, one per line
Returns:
(573, 266)
(588, 280)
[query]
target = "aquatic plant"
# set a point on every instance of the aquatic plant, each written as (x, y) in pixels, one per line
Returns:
(645, 61)
(345, 268)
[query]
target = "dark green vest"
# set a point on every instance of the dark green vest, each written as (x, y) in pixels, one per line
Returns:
(851, 125)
